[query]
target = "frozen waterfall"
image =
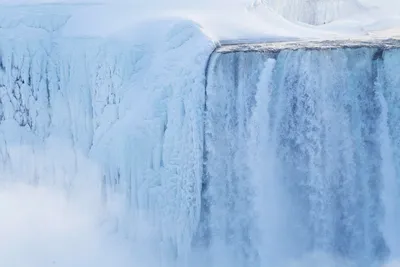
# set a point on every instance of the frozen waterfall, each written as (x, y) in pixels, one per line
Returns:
(256, 156)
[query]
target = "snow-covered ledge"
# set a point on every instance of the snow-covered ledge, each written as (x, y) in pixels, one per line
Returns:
(243, 46)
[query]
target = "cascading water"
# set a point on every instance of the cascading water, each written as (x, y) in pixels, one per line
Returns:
(302, 157)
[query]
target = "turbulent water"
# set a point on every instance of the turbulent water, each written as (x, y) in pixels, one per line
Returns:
(302, 157)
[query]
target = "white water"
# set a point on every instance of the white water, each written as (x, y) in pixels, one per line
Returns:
(302, 158)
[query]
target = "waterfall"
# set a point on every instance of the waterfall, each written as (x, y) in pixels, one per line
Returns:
(302, 157)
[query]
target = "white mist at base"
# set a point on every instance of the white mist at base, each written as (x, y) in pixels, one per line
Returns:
(39, 226)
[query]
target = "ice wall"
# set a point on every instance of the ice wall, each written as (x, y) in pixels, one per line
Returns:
(302, 158)
(120, 118)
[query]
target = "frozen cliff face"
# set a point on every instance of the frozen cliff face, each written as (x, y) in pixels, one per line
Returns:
(121, 119)
(302, 157)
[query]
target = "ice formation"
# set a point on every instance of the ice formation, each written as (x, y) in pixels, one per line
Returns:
(106, 117)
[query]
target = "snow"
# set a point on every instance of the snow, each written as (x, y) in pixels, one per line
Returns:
(221, 20)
